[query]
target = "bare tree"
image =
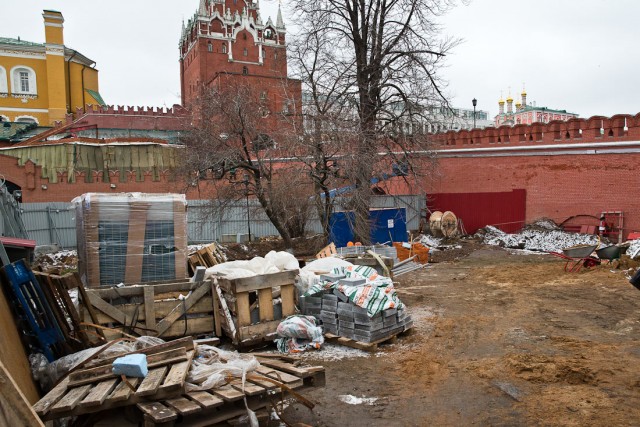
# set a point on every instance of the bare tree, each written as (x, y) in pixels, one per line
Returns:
(380, 58)
(238, 146)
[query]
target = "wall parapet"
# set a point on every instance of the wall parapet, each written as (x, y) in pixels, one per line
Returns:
(621, 127)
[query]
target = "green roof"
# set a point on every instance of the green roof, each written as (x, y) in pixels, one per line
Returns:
(17, 42)
(545, 109)
(10, 131)
(96, 96)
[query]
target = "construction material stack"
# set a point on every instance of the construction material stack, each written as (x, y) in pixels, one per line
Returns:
(131, 238)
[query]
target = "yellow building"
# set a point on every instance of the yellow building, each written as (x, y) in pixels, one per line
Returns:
(41, 83)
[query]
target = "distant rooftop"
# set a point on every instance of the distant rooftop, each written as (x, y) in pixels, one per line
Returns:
(18, 42)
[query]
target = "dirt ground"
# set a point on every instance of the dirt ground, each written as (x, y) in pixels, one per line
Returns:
(499, 339)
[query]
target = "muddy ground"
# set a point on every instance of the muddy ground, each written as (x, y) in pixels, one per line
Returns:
(499, 339)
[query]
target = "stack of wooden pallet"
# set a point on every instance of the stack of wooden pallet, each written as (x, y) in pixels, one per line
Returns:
(162, 398)
(207, 256)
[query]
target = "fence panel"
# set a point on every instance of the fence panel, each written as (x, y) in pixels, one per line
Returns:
(50, 223)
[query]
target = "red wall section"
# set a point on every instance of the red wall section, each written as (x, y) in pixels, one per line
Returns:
(505, 210)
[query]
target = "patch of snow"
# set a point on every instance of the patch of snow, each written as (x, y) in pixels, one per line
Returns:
(353, 400)
(332, 352)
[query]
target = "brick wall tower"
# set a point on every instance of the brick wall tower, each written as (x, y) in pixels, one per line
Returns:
(228, 39)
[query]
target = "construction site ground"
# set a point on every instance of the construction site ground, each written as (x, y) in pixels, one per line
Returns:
(499, 339)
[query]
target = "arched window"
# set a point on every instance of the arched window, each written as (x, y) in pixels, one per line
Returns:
(245, 52)
(23, 80)
(26, 119)
(209, 47)
(245, 71)
(3, 81)
(224, 48)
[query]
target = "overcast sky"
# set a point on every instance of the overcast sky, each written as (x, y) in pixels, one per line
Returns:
(578, 55)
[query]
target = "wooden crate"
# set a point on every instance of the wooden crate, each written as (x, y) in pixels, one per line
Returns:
(156, 309)
(239, 293)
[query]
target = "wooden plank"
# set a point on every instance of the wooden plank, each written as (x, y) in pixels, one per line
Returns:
(176, 377)
(73, 279)
(195, 326)
(287, 293)
(243, 309)
(216, 311)
(152, 381)
(135, 242)
(180, 237)
(250, 388)
(55, 394)
(122, 391)
(71, 399)
(289, 367)
(228, 393)
(149, 308)
(12, 353)
(108, 309)
(178, 285)
(288, 379)
(205, 399)
(182, 307)
(184, 406)
(99, 393)
(100, 373)
(161, 309)
(15, 410)
(158, 412)
(263, 383)
(261, 282)
(266, 305)
(232, 331)
(186, 343)
(259, 332)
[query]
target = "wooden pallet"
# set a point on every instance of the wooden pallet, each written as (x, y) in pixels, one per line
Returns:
(227, 402)
(206, 257)
(95, 388)
(155, 309)
(237, 323)
(365, 346)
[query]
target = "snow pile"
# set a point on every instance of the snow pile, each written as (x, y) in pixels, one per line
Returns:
(354, 400)
(634, 249)
(62, 261)
(537, 238)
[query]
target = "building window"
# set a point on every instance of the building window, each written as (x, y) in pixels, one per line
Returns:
(245, 71)
(210, 47)
(263, 95)
(275, 56)
(3, 82)
(245, 52)
(224, 48)
(23, 81)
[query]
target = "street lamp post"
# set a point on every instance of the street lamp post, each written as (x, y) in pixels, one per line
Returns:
(246, 193)
(474, 102)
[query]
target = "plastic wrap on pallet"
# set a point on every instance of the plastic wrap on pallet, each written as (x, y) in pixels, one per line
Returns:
(131, 237)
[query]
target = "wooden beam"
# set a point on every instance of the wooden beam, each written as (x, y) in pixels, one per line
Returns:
(182, 307)
(15, 410)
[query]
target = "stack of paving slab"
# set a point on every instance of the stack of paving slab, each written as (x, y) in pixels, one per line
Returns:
(343, 318)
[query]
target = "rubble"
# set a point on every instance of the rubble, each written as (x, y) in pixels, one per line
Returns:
(541, 236)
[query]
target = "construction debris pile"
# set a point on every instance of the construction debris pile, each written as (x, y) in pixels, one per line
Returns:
(543, 236)
(167, 381)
